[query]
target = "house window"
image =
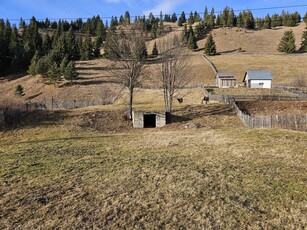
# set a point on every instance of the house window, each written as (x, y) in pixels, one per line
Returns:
(261, 84)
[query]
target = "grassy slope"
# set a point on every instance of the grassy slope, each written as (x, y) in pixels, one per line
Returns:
(221, 176)
(87, 168)
(260, 53)
(260, 47)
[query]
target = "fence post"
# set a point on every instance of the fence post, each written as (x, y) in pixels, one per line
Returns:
(51, 102)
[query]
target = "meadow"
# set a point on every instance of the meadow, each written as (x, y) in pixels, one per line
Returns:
(60, 169)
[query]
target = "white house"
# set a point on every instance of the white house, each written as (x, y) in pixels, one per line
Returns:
(225, 80)
(258, 79)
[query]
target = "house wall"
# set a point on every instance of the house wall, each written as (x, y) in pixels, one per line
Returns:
(226, 83)
(257, 84)
(138, 118)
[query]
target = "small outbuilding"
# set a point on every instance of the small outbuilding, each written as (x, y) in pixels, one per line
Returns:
(258, 79)
(148, 119)
(225, 80)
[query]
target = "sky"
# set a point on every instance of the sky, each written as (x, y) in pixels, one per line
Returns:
(55, 9)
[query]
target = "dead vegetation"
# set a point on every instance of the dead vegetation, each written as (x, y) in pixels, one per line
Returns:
(210, 173)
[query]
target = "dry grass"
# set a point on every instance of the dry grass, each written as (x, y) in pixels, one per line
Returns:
(254, 41)
(95, 82)
(153, 99)
(284, 68)
(224, 176)
(250, 91)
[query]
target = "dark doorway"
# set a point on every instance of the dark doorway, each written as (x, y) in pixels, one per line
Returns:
(149, 120)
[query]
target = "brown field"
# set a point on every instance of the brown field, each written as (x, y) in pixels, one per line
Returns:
(87, 168)
(284, 68)
(273, 107)
(252, 41)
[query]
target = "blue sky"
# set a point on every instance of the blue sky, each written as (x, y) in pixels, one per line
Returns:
(14, 9)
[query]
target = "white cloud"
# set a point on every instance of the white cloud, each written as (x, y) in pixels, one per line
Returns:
(165, 6)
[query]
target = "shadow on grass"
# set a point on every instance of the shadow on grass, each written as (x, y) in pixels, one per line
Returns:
(61, 139)
(189, 113)
(38, 118)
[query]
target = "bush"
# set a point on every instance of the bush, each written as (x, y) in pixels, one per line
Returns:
(19, 90)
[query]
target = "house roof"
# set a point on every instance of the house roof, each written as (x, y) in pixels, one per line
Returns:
(225, 75)
(258, 75)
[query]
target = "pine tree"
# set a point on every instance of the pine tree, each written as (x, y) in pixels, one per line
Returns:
(191, 19)
(127, 18)
(287, 42)
(153, 31)
(212, 18)
(185, 34)
(218, 20)
(16, 51)
(183, 18)
(42, 66)
(19, 90)
(210, 47)
(231, 18)
(174, 17)
(87, 48)
(155, 51)
(34, 60)
(304, 42)
(54, 73)
(192, 43)
(206, 15)
(47, 44)
(267, 22)
(70, 72)
(73, 51)
(97, 46)
(180, 22)
(63, 65)
(240, 21)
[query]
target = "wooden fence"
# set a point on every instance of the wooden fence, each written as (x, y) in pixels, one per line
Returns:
(289, 121)
(71, 104)
(256, 97)
(299, 91)
(152, 87)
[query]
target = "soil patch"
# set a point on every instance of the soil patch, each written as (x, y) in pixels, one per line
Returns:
(273, 107)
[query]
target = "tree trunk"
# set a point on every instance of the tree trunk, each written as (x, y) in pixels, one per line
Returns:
(130, 102)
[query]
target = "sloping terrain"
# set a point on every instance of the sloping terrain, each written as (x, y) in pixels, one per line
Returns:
(265, 41)
(68, 169)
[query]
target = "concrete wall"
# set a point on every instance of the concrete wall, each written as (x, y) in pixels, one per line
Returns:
(260, 84)
(138, 118)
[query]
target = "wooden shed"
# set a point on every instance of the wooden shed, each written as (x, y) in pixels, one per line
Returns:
(225, 80)
(258, 79)
(148, 119)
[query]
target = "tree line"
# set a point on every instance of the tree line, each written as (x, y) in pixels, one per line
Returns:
(81, 40)
(47, 53)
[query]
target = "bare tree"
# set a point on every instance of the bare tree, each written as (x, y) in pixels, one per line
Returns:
(173, 69)
(129, 50)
